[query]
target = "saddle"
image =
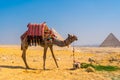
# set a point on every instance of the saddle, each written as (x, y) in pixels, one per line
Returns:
(37, 33)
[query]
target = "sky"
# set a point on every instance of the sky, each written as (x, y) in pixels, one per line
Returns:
(90, 20)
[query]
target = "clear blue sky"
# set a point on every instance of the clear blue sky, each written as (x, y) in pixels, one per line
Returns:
(90, 20)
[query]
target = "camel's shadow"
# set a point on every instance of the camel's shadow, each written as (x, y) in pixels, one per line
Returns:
(20, 67)
(12, 67)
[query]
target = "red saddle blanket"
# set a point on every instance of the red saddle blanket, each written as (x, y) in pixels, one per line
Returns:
(36, 33)
(34, 30)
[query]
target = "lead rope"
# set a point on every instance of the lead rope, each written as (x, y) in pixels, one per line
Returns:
(76, 64)
(73, 54)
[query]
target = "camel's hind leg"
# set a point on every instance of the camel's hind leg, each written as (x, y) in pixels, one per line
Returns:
(24, 58)
(51, 48)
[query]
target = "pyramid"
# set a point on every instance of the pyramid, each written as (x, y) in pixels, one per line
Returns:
(110, 41)
(58, 36)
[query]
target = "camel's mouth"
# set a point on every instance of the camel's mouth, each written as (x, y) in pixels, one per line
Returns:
(76, 39)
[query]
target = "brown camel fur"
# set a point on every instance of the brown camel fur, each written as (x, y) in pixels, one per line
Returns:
(46, 44)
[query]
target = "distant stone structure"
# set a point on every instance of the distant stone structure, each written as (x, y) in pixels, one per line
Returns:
(110, 41)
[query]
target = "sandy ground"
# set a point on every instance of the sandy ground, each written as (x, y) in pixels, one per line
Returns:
(13, 68)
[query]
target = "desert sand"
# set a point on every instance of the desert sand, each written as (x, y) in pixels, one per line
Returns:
(13, 68)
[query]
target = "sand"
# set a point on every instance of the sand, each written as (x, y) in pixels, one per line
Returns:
(13, 68)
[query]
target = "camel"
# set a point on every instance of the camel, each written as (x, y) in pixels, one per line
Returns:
(45, 44)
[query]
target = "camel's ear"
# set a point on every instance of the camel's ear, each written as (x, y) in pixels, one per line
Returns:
(73, 35)
(68, 35)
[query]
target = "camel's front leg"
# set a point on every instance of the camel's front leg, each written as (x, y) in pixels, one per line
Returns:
(44, 56)
(51, 48)
(24, 59)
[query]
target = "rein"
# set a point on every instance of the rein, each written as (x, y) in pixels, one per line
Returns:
(73, 53)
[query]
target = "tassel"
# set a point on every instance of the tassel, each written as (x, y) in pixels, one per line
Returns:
(68, 46)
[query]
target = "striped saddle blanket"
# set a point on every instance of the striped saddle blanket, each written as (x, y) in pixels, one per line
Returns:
(34, 30)
(36, 33)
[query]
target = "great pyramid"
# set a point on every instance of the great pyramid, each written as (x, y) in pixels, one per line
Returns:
(110, 41)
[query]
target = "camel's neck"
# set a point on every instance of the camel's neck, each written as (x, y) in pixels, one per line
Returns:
(61, 43)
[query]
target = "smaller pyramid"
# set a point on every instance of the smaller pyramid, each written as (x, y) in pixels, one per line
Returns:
(110, 41)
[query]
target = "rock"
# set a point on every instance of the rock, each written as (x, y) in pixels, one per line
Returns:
(58, 59)
(91, 60)
(90, 69)
(34, 60)
(4, 58)
(76, 65)
(12, 61)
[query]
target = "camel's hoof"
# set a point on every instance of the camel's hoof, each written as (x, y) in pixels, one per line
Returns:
(44, 68)
(57, 66)
(28, 68)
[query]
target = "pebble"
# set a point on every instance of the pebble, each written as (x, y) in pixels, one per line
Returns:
(90, 69)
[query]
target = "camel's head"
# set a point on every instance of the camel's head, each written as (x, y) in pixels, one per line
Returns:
(72, 38)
